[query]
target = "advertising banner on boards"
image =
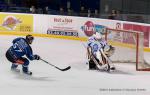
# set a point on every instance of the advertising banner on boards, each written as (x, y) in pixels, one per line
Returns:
(16, 22)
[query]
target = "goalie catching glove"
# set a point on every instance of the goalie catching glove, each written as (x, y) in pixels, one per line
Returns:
(37, 57)
(109, 50)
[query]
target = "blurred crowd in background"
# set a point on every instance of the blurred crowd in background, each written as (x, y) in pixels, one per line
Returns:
(126, 10)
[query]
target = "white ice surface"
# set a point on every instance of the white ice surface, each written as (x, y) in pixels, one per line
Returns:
(47, 80)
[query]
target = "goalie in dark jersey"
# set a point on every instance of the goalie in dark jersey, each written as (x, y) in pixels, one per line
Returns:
(15, 54)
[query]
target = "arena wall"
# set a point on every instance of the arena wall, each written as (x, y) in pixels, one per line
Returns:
(66, 27)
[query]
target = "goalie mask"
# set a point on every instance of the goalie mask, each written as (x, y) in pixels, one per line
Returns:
(97, 36)
(109, 50)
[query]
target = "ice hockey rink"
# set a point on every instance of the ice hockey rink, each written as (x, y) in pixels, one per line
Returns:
(47, 80)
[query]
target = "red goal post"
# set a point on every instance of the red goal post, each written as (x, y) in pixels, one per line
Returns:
(129, 47)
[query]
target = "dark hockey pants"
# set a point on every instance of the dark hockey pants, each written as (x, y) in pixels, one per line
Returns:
(19, 61)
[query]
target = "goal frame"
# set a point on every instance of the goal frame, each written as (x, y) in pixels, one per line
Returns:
(137, 36)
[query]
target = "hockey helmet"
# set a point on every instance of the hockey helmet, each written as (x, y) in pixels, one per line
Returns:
(97, 36)
(29, 39)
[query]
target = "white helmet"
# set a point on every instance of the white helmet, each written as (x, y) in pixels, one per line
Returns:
(97, 35)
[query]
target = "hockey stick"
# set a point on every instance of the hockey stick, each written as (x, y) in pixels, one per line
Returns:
(96, 62)
(65, 69)
(108, 59)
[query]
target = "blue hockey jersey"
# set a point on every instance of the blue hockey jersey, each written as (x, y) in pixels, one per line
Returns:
(20, 48)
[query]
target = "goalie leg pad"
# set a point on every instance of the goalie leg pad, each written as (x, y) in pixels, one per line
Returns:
(92, 65)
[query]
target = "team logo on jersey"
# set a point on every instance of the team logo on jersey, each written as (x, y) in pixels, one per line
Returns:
(90, 28)
(10, 22)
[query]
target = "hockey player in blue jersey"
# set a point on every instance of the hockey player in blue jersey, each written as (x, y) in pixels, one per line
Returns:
(15, 54)
(98, 52)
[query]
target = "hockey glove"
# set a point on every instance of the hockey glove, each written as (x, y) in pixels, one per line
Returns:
(36, 57)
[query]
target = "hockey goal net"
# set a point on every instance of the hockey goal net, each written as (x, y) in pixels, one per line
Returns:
(128, 48)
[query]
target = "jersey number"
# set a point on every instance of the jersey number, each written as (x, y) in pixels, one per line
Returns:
(16, 48)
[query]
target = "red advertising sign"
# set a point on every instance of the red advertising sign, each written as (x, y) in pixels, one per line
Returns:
(140, 28)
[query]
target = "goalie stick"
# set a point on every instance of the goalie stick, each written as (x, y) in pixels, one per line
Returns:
(109, 61)
(100, 67)
(65, 69)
